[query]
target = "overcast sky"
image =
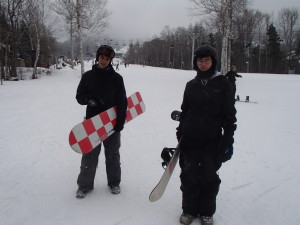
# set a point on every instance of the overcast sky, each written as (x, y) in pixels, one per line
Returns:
(142, 19)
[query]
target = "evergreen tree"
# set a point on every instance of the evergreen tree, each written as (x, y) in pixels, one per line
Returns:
(297, 57)
(3, 41)
(25, 46)
(274, 53)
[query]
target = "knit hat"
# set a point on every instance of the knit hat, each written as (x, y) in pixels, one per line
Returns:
(105, 50)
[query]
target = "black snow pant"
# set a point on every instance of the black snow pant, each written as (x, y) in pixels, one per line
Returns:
(233, 89)
(89, 163)
(199, 179)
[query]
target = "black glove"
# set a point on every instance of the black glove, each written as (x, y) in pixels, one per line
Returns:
(118, 127)
(92, 102)
(166, 156)
(226, 148)
(178, 133)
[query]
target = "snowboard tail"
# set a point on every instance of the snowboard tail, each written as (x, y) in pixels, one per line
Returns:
(85, 136)
(160, 188)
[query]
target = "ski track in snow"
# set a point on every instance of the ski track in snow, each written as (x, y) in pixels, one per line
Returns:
(39, 170)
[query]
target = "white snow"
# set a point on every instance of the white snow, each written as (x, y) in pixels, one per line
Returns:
(260, 185)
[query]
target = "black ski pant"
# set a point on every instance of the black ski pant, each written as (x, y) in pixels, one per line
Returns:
(199, 179)
(233, 89)
(89, 163)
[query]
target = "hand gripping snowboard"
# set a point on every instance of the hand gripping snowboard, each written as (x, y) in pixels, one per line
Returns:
(160, 188)
(85, 136)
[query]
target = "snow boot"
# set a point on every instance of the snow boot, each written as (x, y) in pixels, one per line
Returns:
(81, 193)
(206, 220)
(186, 219)
(237, 98)
(115, 189)
(247, 99)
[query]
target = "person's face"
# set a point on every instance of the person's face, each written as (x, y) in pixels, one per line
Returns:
(103, 61)
(204, 63)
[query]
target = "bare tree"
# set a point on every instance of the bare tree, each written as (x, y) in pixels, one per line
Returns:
(261, 35)
(85, 17)
(91, 17)
(168, 35)
(182, 39)
(288, 19)
(245, 31)
(224, 11)
(3, 37)
(66, 9)
(14, 10)
(36, 19)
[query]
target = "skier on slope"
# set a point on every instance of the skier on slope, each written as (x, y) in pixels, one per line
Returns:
(100, 89)
(206, 129)
(231, 75)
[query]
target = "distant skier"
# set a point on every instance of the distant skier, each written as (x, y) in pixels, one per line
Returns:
(206, 129)
(231, 75)
(100, 89)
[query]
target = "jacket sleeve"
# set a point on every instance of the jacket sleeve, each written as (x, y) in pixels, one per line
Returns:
(184, 111)
(228, 112)
(82, 92)
(121, 102)
(184, 106)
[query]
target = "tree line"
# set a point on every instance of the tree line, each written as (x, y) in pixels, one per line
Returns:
(27, 29)
(247, 38)
(25, 39)
(251, 40)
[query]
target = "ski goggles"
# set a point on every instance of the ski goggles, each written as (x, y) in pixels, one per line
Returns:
(106, 51)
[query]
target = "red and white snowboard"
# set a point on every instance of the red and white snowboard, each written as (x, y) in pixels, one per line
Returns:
(85, 136)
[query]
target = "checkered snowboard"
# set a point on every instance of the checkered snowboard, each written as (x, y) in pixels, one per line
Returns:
(85, 136)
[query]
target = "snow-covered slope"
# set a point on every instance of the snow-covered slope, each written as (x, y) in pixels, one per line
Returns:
(260, 185)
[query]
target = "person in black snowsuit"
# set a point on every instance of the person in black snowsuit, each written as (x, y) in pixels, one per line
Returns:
(205, 132)
(100, 89)
(231, 76)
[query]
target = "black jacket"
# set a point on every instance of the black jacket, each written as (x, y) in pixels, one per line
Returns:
(231, 75)
(106, 87)
(207, 109)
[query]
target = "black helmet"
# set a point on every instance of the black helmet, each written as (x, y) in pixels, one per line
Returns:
(206, 50)
(105, 50)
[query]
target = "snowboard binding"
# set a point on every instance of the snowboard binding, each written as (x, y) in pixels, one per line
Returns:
(175, 115)
(166, 156)
(237, 98)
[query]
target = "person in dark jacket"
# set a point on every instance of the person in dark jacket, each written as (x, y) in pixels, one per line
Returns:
(231, 76)
(100, 89)
(205, 132)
